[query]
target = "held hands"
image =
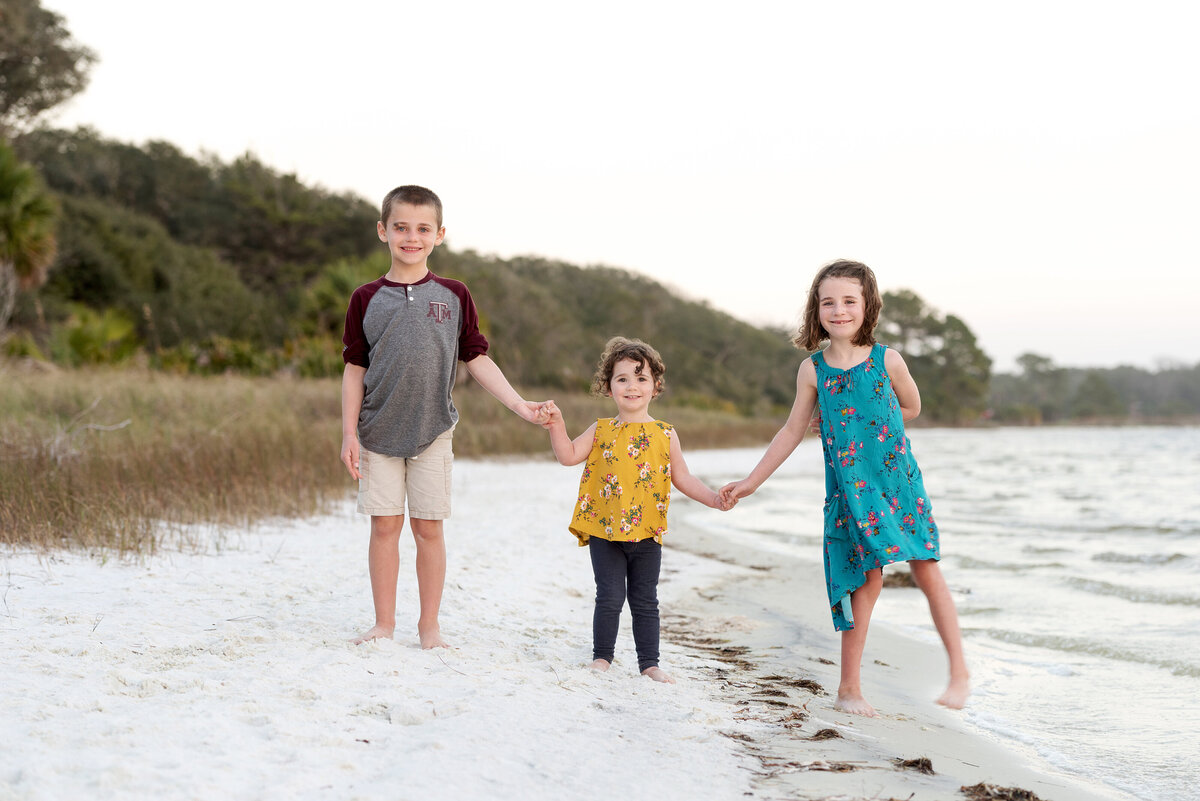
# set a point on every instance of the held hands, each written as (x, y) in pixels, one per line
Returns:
(732, 492)
(551, 415)
(723, 502)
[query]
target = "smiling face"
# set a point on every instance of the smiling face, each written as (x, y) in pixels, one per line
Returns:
(840, 307)
(411, 233)
(632, 386)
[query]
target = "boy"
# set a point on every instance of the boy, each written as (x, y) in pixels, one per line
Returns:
(405, 334)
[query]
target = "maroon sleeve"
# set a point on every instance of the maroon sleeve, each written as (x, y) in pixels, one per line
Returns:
(471, 342)
(355, 349)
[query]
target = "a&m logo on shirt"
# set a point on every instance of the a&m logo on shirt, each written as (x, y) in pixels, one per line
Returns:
(440, 312)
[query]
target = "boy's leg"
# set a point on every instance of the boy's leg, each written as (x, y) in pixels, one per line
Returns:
(862, 602)
(383, 561)
(431, 578)
(429, 478)
(928, 576)
(609, 567)
(645, 563)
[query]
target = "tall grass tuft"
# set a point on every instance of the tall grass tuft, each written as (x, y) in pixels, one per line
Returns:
(109, 458)
(116, 459)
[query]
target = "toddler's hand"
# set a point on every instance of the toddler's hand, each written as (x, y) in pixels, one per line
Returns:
(730, 493)
(725, 502)
(549, 414)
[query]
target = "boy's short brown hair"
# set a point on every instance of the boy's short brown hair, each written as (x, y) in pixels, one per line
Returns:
(812, 333)
(635, 350)
(414, 196)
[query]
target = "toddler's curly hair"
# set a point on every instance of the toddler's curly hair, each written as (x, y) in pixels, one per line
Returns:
(635, 350)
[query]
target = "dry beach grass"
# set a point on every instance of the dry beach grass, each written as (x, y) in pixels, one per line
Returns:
(116, 458)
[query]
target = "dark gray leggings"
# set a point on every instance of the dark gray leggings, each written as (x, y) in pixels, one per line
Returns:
(618, 567)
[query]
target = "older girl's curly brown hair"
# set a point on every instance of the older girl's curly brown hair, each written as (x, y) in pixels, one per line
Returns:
(635, 350)
(812, 333)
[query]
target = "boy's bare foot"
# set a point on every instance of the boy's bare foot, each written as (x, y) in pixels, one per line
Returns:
(658, 674)
(373, 633)
(855, 704)
(956, 694)
(599, 665)
(431, 638)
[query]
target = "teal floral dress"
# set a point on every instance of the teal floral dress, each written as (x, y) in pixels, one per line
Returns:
(876, 509)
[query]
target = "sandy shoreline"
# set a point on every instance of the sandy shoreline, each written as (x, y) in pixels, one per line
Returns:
(785, 678)
(222, 670)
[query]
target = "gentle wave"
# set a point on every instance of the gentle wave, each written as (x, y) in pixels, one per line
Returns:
(1073, 526)
(970, 563)
(1076, 645)
(1141, 595)
(1140, 558)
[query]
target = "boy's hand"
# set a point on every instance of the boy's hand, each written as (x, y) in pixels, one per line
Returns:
(814, 425)
(350, 455)
(530, 411)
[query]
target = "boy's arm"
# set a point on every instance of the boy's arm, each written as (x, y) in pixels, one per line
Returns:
(489, 376)
(902, 382)
(688, 484)
(353, 390)
(786, 439)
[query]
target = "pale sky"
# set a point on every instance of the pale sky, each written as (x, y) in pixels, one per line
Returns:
(1031, 167)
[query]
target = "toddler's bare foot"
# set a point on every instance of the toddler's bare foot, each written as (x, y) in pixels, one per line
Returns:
(956, 694)
(373, 633)
(658, 674)
(855, 704)
(599, 665)
(431, 638)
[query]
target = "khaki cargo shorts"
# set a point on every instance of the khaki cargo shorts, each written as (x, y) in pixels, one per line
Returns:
(424, 480)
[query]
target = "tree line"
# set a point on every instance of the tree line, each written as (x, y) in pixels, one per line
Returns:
(206, 266)
(111, 251)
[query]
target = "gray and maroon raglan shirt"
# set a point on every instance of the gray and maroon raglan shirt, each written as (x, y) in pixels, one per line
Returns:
(410, 337)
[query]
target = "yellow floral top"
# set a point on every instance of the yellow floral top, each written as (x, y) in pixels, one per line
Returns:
(626, 484)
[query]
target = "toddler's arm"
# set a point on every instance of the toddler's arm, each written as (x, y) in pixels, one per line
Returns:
(690, 485)
(566, 450)
(786, 439)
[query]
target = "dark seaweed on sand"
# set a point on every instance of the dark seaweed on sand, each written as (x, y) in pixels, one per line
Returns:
(826, 734)
(802, 684)
(920, 764)
(990, 792)
(898, 578)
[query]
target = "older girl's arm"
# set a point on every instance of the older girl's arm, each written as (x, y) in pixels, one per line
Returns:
(786, 439)
(902, 382)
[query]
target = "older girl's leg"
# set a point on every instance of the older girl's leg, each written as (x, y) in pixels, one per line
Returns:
(928, 576)
(862, 602)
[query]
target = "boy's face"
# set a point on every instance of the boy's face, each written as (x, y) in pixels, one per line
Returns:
(411, 233)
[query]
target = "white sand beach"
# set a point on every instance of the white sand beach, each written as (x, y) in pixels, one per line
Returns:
(221, 667)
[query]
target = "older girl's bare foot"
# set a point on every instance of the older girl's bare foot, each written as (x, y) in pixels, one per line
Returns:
(373, 633)
(855, 704)
(658, 674)
(599, 665)
(431, 638)
(956, 694)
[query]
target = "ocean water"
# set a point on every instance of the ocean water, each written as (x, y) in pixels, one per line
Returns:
(1074, 557)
